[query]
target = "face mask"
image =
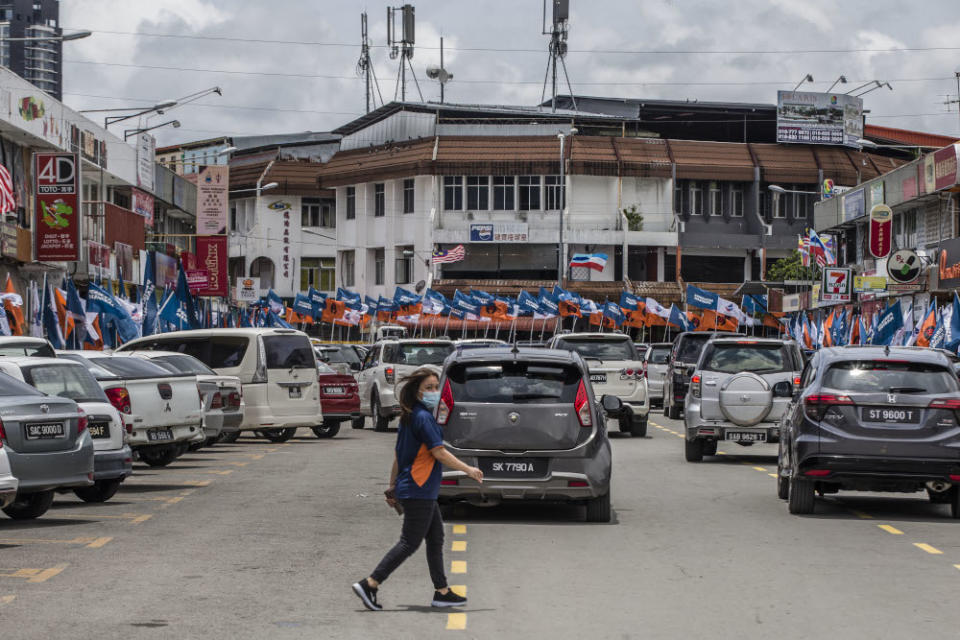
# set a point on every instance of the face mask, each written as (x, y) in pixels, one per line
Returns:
(431, 399)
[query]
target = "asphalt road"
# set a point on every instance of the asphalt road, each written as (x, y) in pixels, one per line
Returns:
(256, 540)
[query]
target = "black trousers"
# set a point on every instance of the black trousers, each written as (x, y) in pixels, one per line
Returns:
(421, 521)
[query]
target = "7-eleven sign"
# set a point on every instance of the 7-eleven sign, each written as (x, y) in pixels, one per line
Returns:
(837, 285)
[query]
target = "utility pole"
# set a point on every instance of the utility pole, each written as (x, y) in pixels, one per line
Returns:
(559, 28)
(365, 65)
(402, 47)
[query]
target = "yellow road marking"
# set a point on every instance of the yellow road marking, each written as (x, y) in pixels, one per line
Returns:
(956, 566)
(44, 541)
(239, 464)
(760, 468)
(461, 589)
(170, 501)
(721, 453)
(458, 566)
(925, 547)
(862, 515)
(254, 456)
(459, 545)
(99, 542)
(772, 475)
(459, 528)
(142, 518)
(99, 516)
(456, 621)
(46, 574)
(890, 529)
(6, 600)
(196, 483)
(19, 573)
(220, 473)
(679, 435)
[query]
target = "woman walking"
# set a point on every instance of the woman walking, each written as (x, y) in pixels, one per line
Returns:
(414, 487)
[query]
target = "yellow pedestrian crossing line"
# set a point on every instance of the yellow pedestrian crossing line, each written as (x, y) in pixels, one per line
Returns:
(459, 545)
(459, 528)
(459, 589)
(456, 621)
(7, 600)
(458, 566)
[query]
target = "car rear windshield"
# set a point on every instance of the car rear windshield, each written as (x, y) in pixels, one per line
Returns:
(184, 364)
(289, 352)
(690, 347)
(65, 380)
(11, 387)
(324, 369)
(39, 349)
(217, 352)
(338, 354)
(756, 358)
(126, 367)
(884, 376)
(659, 355)
(417, 353)
(600, 348)
(514, 382)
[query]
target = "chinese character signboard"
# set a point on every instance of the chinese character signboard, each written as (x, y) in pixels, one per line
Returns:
(881, 225)
(212, 185)
(945, 167)
(212, 255)
(837, 285)
(57, 214)
(819, 118)
(499, 232)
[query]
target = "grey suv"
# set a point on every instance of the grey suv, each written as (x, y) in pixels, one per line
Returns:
(872, 419)
(687, 347)
(529, 420)
(738, 391)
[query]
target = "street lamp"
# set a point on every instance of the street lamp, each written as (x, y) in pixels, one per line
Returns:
(132, 132)
(842, 80)
(160, 107)
(806, 78)
(778, 189)
(561, 263)
(269, 185)
(870, 144)
(79, 35)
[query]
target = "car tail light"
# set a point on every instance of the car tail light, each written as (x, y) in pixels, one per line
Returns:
(948, 404)
(817, 473)
(582, 406)
(953, 477)
(119, 398)
(631, 374)
(3, 434)
(81, 422)
(217, 402)
(260, 373)
(815, 406)
(644, 368)
(450, 483)
(234, 399)
(389, 374)
(445, 407)
(796, 383)
(695, 386)
(578, 483)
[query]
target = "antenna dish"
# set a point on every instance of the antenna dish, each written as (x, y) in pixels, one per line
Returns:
(420, 286)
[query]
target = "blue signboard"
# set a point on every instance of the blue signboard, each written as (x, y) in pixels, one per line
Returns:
(481, 233)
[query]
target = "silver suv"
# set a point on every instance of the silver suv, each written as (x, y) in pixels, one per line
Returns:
(738, 392)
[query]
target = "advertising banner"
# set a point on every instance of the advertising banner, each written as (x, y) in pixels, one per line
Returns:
(248, 289)
(166, 270)
(499, 232)
(197, 279)
(837, 285)
(57, 210)
(819, 118)
(98, 255)
(949, 264)
(945, 168)
(863, 284)
(146, 157)
(124, 254)
(212, 185)
(853, 205)
(876, 193)
(881, 226)
(904, 266)
(212, 255)
(143, 205)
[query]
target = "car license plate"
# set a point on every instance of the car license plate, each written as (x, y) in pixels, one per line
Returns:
(333, 391)
(159, 435)
(45, 430)
(99, 430)
(888, 415)
(295, 392)
(598, 377)
(513, 467)
(746, 436)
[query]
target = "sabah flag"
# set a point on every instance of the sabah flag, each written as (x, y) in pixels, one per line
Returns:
(595, 261)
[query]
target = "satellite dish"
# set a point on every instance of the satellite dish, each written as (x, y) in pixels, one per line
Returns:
(420, 286)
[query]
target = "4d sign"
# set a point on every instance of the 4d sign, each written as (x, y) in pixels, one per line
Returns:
(57, 214)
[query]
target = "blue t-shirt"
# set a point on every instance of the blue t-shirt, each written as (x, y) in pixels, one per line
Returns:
(418, 472)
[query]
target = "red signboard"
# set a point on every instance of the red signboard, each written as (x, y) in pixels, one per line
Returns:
(57, 215)
(98, 254)
(881, 226)
(212, 255)
(197, 279)
(945, 167)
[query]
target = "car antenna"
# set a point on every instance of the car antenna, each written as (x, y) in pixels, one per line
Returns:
(886, 349)
(515, 350)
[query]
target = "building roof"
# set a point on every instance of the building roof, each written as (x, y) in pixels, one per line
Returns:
(890, 135)
(293, 177)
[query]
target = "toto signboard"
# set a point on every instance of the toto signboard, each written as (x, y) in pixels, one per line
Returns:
(57, 211)
(881, 225)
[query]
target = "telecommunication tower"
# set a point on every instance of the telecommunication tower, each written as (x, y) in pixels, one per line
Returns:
(402, 46)
(559, 28)
(365, 66)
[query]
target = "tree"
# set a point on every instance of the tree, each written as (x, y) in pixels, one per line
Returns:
(790, 268)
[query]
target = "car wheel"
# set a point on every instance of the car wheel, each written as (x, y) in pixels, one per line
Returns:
(638, 428)
(802, 495)
(624, 424)
(693, 450)
(668, 411)
(279, 435)
(159, 456)
(379, 422)
(328, 429)
(783, 486)
(955, 503)
(101, 491)
(196, 446)
(598, 509)
(230, 438)
(30, 505)
(357, 423)
(710, 447)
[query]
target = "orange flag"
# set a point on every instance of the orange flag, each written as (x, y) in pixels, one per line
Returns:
(14, 311)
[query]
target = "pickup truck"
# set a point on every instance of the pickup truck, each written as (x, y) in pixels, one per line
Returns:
(161, 411)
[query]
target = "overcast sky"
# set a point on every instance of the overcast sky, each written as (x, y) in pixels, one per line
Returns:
(292, 63)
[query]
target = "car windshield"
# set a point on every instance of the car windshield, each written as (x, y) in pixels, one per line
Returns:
(65, 380)
(289, 352)
(184, 364)
(690, 347)
(130, 367)
(885, 376)
(34, 349)
(98, 372)
(11, 387)
(757, 358)
(600, 348)
(659, 355)
(482, 344)
(417, 353)
(514, 383)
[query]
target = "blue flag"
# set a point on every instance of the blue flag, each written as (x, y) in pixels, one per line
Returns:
(612, 310)
(51, 321)
(700, 298)
(628, 301)
(118, 318)
(402, 297)
(465, 303)
(889, 323)
(273, 320)
(527, 303)
(679, 319)
(349, 297)
(755, 303)
(274, 301)
(303, 306)
(186, 299)
(149, 297)
(481, 296)
(954, 335)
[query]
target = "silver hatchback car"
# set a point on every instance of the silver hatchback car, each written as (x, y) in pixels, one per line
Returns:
(47, 444)
(529, 420)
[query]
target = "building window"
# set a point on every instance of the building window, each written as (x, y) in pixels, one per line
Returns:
(452, 193)
(379, 200)
(736, 201)
(310, 212)
(379, 259)
(409, 187)
(328, 215)
(804, 201)
(348, 274)
(403, 266)
(233, 219)
(478, 193)
(553, 192)
(351, 203)
(503, 188)
(529, 193)
(781, 201)
(716, 199)
(696, 198)
(263, 268)
(680, 194)
(319, 273)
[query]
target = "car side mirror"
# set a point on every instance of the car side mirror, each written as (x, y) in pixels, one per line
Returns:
(611, 404)
(783, 389)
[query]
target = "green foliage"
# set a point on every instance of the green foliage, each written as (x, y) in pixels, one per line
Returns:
(634, 218)
(790, 268)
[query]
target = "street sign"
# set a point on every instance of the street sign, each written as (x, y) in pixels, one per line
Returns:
(904, 266)
(837, 285)
(869, 283)
(881, 226)
(905, 288)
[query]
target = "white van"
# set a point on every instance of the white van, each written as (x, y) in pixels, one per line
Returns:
(277, 369)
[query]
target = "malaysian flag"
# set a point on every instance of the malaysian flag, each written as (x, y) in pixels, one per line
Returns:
(7, 201)
(443, 256)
